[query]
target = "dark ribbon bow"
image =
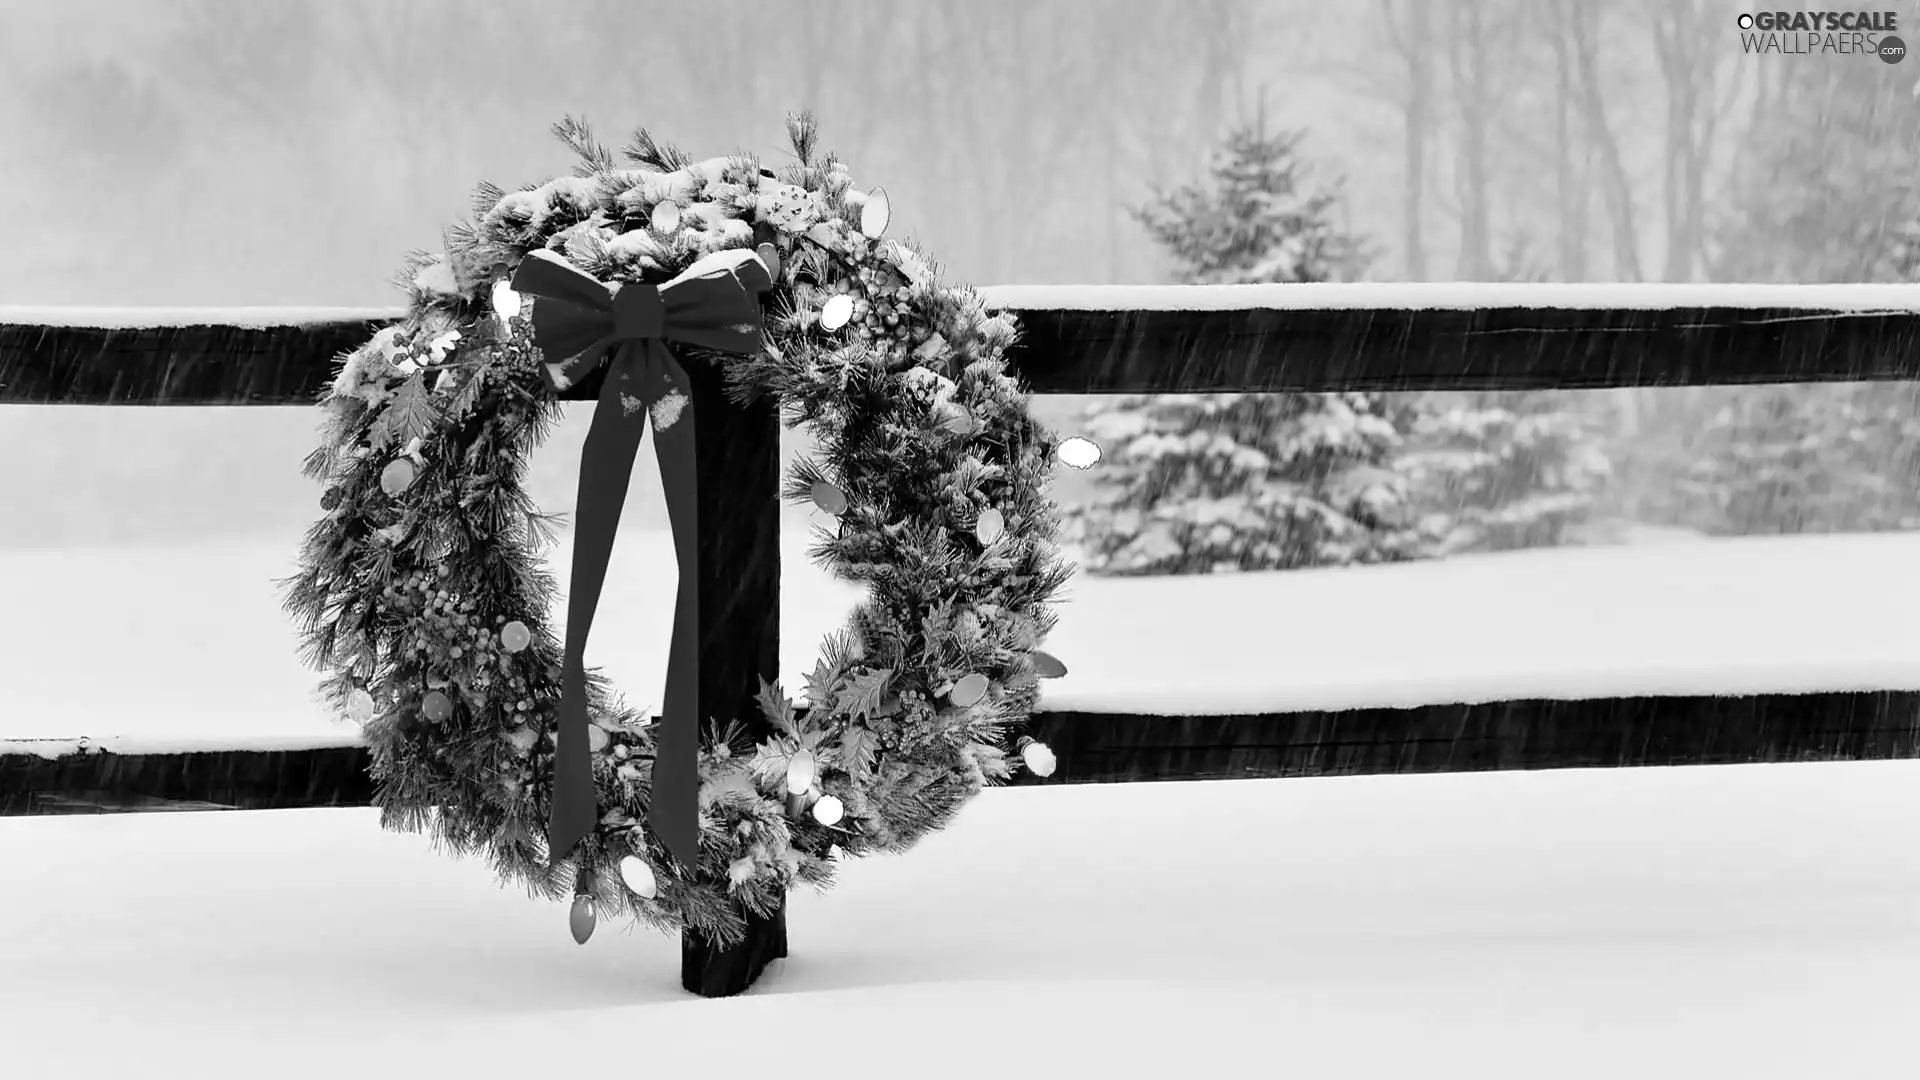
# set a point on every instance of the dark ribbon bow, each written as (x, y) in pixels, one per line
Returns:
(576, 318)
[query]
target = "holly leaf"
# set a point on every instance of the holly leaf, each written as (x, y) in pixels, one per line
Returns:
(858, 746)
(466, 397)
(410, 415)
(777, 709)
(821, 685)
(863, 694)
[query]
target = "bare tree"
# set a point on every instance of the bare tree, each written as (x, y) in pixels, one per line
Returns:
(1582, 23)
(1573, 155)
(1490, 74)
(1224, 28)
(1409, 31)
(1467, 65)
(1083, 105)
(1691, 60)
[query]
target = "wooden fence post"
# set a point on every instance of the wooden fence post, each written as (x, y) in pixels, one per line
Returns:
(737, 454)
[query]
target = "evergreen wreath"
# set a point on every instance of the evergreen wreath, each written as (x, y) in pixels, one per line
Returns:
(421, 599)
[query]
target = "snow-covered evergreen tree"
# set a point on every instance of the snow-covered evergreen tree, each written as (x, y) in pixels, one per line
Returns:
(1505, 469)
(1202, 483)
(1198, 483)
(1260, 218)
(1502, 471)
(1777, 460)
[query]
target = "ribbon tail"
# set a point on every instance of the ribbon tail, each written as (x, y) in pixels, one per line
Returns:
(606, 468)
(674, 810)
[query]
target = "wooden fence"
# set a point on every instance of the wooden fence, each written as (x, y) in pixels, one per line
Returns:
(1082, 340)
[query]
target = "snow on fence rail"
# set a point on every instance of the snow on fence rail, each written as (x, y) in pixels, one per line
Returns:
(1089, 340)
(1116, 339)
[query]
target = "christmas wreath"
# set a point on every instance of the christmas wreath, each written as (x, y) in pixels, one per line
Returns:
(421, 597)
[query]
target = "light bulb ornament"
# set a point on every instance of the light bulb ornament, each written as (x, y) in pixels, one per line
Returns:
(506, 302)
(801, 771)
(836, 312)
(875, 213)
(1038, 757)
(829, 498)
(770, 256)
(1078, 452)
(585, 914)
(968, 691)
(638, 877)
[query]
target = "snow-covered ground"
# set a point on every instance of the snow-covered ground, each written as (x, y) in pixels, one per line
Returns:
(1748, 922)
(161, 647)
(1752, 922)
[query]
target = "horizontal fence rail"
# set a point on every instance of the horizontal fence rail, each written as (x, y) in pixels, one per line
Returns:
(1115, 340)
(59, 777)
(1081, 340)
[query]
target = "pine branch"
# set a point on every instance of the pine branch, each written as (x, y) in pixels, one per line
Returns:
(643, 149)
(804, 133)
(594, 158)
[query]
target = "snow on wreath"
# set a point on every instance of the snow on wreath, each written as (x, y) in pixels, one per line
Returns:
(421, 596)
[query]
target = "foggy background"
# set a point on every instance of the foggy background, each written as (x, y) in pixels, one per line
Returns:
(289, 152)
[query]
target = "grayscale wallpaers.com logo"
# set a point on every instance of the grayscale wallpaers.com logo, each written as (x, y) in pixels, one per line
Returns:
(1839, 33)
